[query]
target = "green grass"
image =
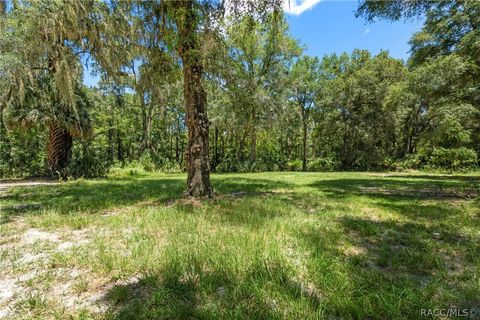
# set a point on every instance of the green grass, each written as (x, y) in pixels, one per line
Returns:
(270, 246)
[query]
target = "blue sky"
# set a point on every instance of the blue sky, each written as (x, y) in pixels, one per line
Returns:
(330, 26)
(326, 27)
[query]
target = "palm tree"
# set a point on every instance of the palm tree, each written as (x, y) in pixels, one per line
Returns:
(41, 106)
(40, 71)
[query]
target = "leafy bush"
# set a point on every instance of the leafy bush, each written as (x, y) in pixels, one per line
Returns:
(245, 166)
(269, 158)
(295, 165)
(413, 161)
(261, 166)
(87, 162)
(171, 167)
(22, 154)
(454, 158)
(233, 165)
(132, 172)
(227, 165)
(322, 164)
(147, 163)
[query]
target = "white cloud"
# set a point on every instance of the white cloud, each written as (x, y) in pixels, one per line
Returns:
(297, 7)
(366, 31)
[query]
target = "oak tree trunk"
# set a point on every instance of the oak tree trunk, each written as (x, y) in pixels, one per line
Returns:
(198, 182)
(59, 149)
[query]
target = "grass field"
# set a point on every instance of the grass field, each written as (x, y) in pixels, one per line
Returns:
(269, 246)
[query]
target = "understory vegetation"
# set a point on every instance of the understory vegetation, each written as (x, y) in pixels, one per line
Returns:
(269, 246)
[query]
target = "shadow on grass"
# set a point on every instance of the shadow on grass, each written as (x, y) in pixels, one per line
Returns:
(403, 247)
(394, 269)
(88, 196)
(196, 292)
(417, 199)
(468, 179)
(399, 189)
(399, 266)
(98, 196)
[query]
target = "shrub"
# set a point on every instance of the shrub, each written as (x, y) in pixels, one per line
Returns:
(245, 166)
(412, 161)
(454, 158)
(322, 164)
(147, 163)
(295, 165)
(269, 158)
(132, 172)
(22, 154)
(260, 166)
(227, 165)
(171, 167)
(87, 161)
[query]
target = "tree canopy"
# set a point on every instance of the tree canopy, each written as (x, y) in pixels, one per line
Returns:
(198, 86)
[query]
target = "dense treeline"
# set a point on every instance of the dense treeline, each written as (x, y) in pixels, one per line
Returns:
(270, 106)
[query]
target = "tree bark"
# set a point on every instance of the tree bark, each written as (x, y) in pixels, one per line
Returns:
(170, 149)
(253, 145)
(59, 149)
(119, 147)
(110, 132)
(304, 151)
(215, 147)
(177, 141)
(241, 145)
(253, 139)
(198, 182)
(304, 114)
(148, 144)
(145, 132)
(177, 150)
